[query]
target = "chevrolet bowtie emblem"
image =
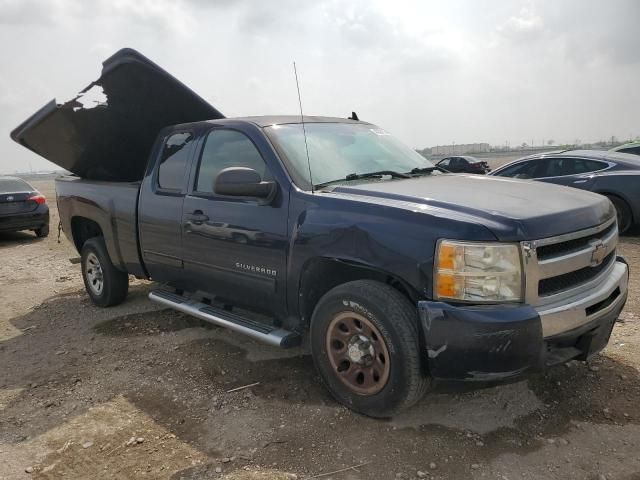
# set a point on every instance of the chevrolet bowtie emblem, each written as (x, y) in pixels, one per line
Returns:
(599, 253)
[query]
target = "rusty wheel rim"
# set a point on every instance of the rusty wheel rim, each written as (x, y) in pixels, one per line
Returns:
(358, 353)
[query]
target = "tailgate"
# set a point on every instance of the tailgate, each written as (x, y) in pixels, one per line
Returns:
(107, 131)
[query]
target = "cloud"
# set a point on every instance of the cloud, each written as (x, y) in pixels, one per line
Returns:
(522, 27)
(159, 16)
(429, 72)
(26, 12)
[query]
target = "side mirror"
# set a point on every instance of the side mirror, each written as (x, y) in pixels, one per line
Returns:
(242, 182)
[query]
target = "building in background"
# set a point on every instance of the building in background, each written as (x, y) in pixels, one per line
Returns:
(461, 149)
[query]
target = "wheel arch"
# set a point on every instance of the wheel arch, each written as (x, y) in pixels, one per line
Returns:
(623, 197)
(82, 229)
(321, 274)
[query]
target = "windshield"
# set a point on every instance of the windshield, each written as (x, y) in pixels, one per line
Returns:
(340, 149)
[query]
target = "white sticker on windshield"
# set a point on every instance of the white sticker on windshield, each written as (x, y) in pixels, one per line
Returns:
(379, 131)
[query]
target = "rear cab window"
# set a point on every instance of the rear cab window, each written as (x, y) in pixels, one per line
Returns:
(174, 160)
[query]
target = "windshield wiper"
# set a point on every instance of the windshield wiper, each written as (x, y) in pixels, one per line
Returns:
(419, 171)
(360, 176)
(380, 173)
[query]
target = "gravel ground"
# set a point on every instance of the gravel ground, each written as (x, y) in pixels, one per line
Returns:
(138, 391)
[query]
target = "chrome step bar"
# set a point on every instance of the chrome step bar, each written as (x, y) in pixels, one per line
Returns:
(268, 334)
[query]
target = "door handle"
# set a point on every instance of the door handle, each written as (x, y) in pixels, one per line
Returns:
(197, 217)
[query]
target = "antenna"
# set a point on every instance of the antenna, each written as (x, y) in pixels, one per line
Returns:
(304, 130)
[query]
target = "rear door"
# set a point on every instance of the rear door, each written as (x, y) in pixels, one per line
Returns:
(160, 208)
(234, 247)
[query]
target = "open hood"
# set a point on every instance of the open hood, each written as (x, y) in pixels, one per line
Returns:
(107, 131)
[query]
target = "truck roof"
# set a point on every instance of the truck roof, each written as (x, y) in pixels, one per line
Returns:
(268, 120)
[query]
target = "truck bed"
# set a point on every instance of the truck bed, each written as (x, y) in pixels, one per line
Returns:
(113, 206)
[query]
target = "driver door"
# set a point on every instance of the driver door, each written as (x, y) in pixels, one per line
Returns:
(234, 248)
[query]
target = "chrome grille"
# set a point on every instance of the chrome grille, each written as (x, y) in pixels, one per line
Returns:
(553, 285)
(564, 266)
(555, 249)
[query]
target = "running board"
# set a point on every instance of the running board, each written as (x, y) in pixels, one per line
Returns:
(259, 331)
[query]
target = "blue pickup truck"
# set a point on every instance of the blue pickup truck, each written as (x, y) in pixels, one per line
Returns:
(341, 237)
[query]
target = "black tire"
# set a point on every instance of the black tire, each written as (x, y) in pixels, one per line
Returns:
(396, 320)
(114, 283)
(42, 232)
(623, 211)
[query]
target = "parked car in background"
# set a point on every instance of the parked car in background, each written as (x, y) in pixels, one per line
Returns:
(22, 207)
(615, 175)
(464, 164)
(633, 148)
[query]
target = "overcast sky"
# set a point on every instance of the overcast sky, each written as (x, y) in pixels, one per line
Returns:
(431, 73)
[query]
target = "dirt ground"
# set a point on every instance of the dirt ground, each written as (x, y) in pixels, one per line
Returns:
(137, 391)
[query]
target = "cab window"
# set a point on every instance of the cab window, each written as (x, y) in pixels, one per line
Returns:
(224, 149)
(173, 161)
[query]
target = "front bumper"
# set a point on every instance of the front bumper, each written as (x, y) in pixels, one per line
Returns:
(502, 342)
(25, 221)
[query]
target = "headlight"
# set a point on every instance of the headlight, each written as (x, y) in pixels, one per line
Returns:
(477, 272)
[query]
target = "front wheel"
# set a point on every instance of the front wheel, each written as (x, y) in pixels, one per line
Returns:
(105, 284)
(364, 342)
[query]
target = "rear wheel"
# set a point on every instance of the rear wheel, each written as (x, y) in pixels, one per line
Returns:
(364, 342)
(43, 231)
(623, 212)
(105, 284)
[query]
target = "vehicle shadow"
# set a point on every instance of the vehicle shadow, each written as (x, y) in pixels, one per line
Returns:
(182, 373)
(10, 239)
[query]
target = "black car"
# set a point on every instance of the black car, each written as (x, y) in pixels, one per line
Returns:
(464, 164)
(22, 207)
(615, 175)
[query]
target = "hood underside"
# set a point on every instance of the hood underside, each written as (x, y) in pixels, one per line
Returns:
(513, 210)
(107, 131)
